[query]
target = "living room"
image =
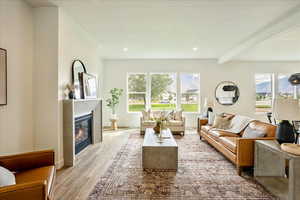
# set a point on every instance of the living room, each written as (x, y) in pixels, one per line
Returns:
(178, 99)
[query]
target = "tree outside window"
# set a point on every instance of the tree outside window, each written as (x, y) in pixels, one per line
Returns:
(190, 92)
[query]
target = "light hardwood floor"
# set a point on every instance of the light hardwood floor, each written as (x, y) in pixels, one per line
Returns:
(75, 183)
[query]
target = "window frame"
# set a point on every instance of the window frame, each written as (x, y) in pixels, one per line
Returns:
(150, 88)
(272, 91)
(198, 93)
(294, 94)
(128, 92)
(274, 88)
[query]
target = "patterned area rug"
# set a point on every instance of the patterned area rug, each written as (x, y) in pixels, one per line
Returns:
(203, 173)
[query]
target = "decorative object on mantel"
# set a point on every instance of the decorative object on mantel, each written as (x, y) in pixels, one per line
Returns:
(291, 148)
(3, 77)
(286, 110)
(77, 68)
(89, 85)
(70, 91)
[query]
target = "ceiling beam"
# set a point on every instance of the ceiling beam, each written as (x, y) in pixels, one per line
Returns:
(288, 20)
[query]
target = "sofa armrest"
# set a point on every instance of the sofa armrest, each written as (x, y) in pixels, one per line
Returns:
(25, 161)
(245, 150)
(34, 190)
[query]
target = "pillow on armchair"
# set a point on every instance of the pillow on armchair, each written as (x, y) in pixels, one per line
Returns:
(145, 115)
(178, 115)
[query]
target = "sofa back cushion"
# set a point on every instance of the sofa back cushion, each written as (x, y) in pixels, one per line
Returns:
(263, 127)
(253, 133)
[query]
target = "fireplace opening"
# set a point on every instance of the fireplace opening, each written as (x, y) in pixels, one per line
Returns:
(83, 132)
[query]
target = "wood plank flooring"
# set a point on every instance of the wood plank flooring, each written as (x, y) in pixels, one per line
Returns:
(75, 183)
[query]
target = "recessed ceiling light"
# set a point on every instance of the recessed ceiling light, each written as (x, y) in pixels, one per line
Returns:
(195, 49)
(125, 49)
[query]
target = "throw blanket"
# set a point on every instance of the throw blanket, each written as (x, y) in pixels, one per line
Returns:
(239, 123)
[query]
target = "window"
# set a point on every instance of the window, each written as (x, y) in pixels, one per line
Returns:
(136, 87)
(163, 91)
(285, 89)
(190, 92)
(263, 83)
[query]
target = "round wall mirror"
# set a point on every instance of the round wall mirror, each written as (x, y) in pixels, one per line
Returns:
(77, 68)
(227, 93)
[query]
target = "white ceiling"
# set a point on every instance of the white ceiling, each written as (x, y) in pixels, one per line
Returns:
(172, 28)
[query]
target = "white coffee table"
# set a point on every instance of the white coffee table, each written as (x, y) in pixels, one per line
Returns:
(157, 154)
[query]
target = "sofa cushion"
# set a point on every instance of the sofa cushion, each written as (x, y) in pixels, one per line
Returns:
(39, 174)
(220, 133)
(174, 123)
(229, 143)
(206, 128)
(149, 123)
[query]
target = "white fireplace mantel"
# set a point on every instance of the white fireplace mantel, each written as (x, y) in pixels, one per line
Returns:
(75, 108)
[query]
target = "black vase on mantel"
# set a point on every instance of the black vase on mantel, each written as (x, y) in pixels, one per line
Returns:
(71, 95)
(285, 132)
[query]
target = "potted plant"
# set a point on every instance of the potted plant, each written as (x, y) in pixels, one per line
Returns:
(114, 100)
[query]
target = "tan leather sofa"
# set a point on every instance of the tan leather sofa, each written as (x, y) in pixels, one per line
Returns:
(237, 149)
(35, 175)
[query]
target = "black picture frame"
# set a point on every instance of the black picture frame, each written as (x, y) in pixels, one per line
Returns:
(3, 77)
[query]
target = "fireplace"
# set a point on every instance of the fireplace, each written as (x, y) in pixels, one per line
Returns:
(83, 132)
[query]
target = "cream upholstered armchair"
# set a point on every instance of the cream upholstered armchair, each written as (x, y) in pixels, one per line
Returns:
(176, 125)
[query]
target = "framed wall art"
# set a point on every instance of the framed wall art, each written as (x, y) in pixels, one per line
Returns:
(3, 77)
(89, 86)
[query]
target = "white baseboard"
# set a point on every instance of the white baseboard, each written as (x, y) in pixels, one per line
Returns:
(59, 164)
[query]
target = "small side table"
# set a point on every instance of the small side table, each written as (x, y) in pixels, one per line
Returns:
(200, 122)
(114, 125)
(269, 169)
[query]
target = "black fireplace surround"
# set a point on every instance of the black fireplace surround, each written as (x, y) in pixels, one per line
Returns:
(83, 132)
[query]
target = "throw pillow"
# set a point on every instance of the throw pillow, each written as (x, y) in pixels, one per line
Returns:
(221, 122)
(178, 115)
(6, 177)
(145, 115)
(211, 118)
(150, 114)
(253, 133)
(170, 116)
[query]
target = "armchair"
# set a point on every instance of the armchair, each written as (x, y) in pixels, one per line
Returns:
(35, 175)
(174, 125)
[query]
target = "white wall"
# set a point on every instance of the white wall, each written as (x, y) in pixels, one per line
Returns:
(46, 110)
(16, 35)
(242, 73)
